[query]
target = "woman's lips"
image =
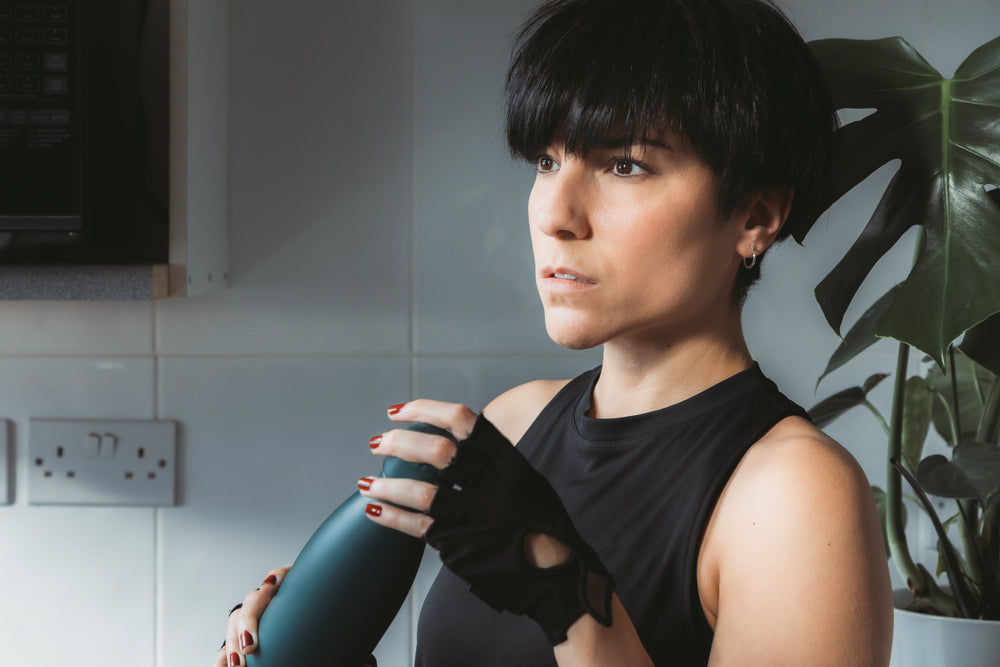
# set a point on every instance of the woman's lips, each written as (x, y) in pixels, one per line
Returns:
(564, 273)
(569, 276)
(565, 279)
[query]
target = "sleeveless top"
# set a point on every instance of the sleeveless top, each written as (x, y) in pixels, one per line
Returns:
(640, 490)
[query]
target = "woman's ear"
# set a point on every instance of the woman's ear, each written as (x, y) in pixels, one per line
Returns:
(765, 216)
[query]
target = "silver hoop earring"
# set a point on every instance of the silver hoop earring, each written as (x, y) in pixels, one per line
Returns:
(752, 262)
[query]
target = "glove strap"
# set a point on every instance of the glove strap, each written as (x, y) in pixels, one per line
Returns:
(575, 591)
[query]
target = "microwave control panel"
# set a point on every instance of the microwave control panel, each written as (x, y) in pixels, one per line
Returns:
(40, 115)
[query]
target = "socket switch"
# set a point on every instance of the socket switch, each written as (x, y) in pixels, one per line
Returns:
(102, 462)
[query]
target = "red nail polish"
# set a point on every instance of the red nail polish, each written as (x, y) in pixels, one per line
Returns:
(375, 442)
(373, 509)
(365, 483)
(234, 659)
(394, 409)
(271, 579)
(246, 639)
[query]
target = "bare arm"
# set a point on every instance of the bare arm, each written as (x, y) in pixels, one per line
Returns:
(800, 576)
(801, 571)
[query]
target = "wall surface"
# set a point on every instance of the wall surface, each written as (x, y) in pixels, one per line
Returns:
(378, 252)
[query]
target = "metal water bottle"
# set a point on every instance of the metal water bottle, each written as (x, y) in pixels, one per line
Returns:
(345, 587)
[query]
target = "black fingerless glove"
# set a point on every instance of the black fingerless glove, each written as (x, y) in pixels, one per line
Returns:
(489, 499)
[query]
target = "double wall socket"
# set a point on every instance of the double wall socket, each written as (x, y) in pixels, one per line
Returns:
(102, 462)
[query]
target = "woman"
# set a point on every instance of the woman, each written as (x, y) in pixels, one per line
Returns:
(677, 509)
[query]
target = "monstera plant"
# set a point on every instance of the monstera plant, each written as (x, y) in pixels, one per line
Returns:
(945, 135)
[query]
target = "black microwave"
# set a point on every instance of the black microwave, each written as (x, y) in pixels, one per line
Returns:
(84, 131)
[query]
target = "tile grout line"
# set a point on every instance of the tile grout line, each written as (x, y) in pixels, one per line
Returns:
(414, 608)
(157, 561)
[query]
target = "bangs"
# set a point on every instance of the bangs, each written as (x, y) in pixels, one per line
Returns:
(594, 82)
(732, 79)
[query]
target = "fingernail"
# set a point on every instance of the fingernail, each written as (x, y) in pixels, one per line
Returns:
(394, 409)
(234, 659)
(271, 579)
(365, 483)
(246, 639)
(375, 442)
(373, 510)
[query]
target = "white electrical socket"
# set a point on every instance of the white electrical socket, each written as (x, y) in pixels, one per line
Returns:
(101, 462)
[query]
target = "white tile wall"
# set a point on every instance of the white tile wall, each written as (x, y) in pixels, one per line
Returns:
(474, 280)
(80, 581)
(270, 447)
(58, 328)
(378, 251)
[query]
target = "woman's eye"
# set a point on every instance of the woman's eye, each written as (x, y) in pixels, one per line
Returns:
(625, 167)
(546, 164)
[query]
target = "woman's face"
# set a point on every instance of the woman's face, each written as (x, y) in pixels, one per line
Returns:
(631, 248)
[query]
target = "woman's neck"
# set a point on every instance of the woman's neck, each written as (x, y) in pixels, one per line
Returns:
(637, 378)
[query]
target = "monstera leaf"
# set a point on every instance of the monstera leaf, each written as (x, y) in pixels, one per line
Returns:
(945, 133)
(964, 387)
(982, 344)
(973, 472)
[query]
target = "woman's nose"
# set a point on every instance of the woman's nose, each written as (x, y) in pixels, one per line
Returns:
(557, 206)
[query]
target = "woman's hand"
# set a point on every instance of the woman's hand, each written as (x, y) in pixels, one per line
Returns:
(541, 550)
(496, 521)
(241, 634)
(411, 499)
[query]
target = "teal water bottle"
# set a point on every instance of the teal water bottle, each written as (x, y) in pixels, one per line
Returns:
(345, 587)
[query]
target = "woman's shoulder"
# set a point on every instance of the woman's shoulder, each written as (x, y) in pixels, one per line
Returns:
(796, 541)
(795, 454)
(800, 488)
(513, 411)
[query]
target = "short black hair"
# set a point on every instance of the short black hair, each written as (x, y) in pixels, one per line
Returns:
(733, 77)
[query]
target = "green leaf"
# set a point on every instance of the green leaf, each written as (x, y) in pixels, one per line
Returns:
(972, 387)
(982, 344)
(833, 406)
(939, 477)
(872, 381)
(945, 135)
(916, 419)
(972, 473)
(861, 336)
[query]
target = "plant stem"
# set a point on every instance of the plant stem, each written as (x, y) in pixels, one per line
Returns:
(989, 431)
(989, 423)
(894, 522)
(954, 393)
(967, 531)
(952, 421)
(991, 558)
(976, 384)
(964, 598)
(968, 527)
(940, 600)
(878, 415)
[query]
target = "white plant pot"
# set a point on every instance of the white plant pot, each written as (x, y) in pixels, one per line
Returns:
(922, 640)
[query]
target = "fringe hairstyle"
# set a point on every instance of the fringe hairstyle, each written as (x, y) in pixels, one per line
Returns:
(732, 77)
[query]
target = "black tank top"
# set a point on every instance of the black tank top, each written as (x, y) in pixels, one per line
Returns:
(640, 490)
